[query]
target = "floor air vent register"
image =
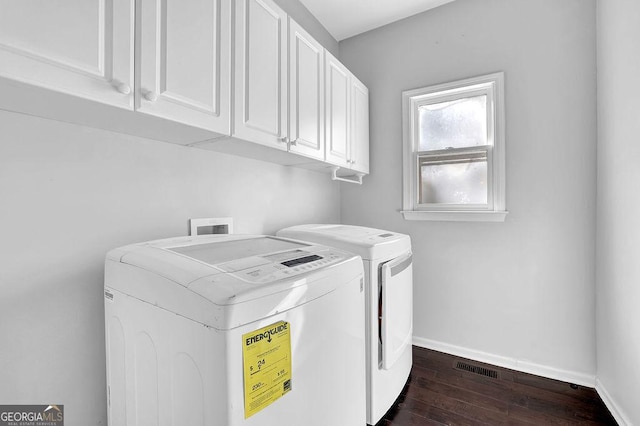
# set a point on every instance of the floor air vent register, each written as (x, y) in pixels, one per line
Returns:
(482, 371)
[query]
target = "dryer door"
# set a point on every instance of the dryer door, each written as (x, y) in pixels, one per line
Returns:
(396, 281)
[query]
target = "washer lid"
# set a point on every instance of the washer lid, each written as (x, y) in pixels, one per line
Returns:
(226, 281)
(230, 251)
(185, 259)
(369, 243)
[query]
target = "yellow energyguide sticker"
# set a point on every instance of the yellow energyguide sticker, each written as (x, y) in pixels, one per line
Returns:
(266, 356)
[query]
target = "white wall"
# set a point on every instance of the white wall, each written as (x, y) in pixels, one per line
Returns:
(519, 293)
(68, 195)
(618, 237)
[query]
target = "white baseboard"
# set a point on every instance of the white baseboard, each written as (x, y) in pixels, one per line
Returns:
(511, 363)
(617, 414)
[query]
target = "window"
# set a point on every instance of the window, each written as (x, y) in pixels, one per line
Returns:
(454, 160)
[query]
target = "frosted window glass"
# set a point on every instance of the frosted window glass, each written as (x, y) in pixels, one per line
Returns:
(454, 124)
(454, 183)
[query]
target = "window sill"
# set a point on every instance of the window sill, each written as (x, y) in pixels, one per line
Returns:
(455, 216)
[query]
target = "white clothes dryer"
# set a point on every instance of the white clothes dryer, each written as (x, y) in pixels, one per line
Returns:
(388, 271)
(234, 330)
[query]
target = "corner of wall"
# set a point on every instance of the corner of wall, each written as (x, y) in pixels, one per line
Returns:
(616, 411)
(299, 13)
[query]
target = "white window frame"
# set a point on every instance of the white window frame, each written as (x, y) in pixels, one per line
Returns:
(491, 85)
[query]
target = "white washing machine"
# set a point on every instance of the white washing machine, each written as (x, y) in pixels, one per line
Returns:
(388, 270)
(234, 330)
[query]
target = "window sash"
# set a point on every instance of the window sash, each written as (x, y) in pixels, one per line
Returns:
(439, 97)
(454, 156)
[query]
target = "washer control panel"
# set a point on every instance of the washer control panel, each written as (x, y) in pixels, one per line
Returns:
(264, 269)
(301, 260)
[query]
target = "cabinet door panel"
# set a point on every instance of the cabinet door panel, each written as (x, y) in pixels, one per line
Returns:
(337, 112)
(261, 72)
(79, 47)
(183, 62)
(359, 126)
(190, 75)
(306, 93)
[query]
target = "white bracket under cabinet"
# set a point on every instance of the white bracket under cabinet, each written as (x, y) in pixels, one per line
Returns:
(207, 78)
(356, 178)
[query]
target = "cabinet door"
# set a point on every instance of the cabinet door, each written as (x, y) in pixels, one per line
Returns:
(183, 62)
(338, 86)
(260, 112)
(359, 126)
(83, 48)
(306, 93)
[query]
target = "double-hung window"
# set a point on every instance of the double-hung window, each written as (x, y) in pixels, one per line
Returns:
(454, 154)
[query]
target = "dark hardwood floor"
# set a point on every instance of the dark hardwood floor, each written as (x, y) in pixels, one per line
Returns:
(441, 392)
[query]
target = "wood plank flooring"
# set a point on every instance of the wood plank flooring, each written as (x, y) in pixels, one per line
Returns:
(437, 393)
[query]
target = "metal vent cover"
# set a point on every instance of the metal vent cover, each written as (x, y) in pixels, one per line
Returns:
(460, 365)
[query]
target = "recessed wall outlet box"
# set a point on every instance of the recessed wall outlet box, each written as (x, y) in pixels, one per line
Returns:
(211, 225)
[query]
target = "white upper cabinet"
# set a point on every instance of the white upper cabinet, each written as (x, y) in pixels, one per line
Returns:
(306, 93)
(337, 124)
(260, 112)
(346, 118)
(183, 61)
(359, 126)
(186, 73)
(79, 47)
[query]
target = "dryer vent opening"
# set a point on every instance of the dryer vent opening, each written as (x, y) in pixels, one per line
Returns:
(212, 225)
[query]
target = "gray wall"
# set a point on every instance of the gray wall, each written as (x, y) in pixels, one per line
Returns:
(518, 293)
(618, 269)
(299, 13)
(69, 194)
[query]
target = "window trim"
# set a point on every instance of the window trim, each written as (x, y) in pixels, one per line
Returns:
(495, 210)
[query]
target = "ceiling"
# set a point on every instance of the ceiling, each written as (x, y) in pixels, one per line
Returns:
(346, 18)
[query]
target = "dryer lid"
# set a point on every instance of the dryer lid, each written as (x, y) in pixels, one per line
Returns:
(369, 243)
